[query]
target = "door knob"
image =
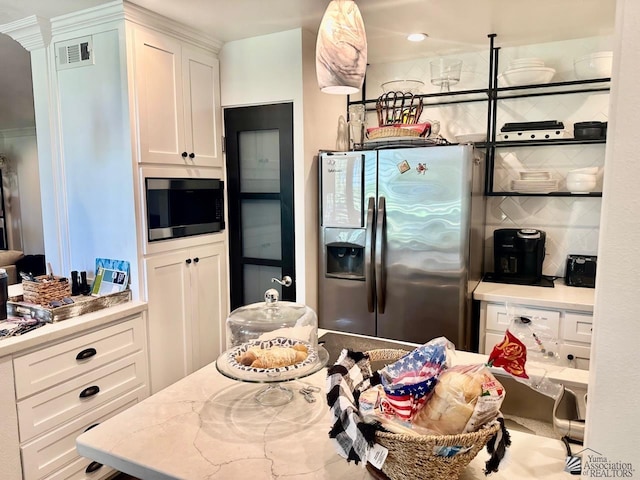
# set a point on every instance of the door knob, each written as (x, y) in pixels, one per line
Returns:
(192, 155)
(188, 260)
(184, 154)
(285, 282)
(196, 260)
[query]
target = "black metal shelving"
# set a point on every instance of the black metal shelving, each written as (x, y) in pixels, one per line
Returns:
(493, 94)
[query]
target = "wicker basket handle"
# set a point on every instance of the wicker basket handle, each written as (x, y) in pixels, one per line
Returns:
(383, 354)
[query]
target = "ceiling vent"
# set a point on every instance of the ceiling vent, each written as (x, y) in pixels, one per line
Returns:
(74, 53)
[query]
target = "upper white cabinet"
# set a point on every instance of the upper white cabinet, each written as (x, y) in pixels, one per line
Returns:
(178, 102)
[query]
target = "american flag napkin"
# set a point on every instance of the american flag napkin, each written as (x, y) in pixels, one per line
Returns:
(408, 382)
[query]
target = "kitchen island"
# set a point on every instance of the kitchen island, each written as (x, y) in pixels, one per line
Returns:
(207, 426)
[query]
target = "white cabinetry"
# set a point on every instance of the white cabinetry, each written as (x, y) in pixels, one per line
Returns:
(187, 308)
(178, 102)
(572, 329)
(65, 388)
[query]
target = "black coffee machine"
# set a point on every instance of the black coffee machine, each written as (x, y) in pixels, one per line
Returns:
(518, 255)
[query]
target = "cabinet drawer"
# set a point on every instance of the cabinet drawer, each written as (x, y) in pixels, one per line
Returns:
(59, 404)
(54, 450)
(58, 363)
(577, 327)
(491, 340)
(78, 471)
(498, 319)
(580, 355)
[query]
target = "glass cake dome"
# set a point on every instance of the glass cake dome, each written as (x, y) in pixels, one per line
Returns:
(272, 319)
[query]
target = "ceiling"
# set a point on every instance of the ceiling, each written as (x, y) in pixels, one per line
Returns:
(452, 25)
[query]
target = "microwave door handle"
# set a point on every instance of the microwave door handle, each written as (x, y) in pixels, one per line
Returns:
(369, 272)
(381, 236)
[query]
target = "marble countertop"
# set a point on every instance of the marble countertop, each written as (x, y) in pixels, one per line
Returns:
(207, 426)
(64, 328)
(561, 296)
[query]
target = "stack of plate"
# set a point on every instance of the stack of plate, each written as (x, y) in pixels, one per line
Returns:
(534, 181)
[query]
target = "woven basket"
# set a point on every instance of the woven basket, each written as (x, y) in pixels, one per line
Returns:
(386, 132)
(41, 293)
(411, 456)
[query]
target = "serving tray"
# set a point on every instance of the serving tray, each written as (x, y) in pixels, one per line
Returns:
(81, 304)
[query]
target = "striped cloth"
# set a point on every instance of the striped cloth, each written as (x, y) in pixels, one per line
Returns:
(350, 375)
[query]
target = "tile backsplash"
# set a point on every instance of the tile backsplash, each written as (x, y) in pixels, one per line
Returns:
(571, 223)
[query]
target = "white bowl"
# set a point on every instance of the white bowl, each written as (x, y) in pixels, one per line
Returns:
(589, 170)
(526, 62)
(407, 86)
(526, 76)
(595, 65)
(575, 186)
(581, 177)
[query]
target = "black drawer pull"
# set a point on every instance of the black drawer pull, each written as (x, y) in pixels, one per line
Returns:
(86, 353)
(93, 466)
(91, 426)
(90, 391)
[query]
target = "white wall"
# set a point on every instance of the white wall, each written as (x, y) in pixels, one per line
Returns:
(273, 69)
(613, 421)
(20, 148)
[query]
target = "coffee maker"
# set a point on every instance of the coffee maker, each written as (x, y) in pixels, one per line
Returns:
(518, 255)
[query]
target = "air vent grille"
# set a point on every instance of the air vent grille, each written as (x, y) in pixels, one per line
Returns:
(74, 53)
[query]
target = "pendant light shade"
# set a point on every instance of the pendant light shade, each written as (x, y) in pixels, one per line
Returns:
(341, 49)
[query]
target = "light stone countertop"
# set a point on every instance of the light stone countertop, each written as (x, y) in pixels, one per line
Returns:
(560, 296)
(64, 328)
(207, 426)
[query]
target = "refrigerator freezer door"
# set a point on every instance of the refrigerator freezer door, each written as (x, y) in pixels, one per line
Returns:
(427, 194)
(341, 193)
(346, 298)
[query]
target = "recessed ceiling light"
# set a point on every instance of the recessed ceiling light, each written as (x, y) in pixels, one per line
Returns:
(417, 37)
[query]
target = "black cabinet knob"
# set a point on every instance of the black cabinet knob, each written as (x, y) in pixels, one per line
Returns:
(86, 353)
(90, 391)
(570, 357)
(192, 155)
(196, 260)
(93, 466)
(184, 154)
(188, 260)
(91, 426)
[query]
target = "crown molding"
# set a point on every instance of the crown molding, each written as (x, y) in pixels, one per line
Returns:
(89, 17)
(147, 18)
(31, 32)
(123, 10)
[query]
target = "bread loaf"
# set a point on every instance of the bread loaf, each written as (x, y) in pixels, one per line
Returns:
(273, 357)
(450, 407)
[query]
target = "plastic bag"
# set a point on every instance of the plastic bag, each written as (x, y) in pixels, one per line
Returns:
(465, 398)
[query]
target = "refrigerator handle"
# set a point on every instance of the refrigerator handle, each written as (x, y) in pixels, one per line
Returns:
(381, 282)
(369, 278)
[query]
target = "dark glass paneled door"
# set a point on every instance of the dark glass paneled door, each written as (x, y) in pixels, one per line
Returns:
(259, 155)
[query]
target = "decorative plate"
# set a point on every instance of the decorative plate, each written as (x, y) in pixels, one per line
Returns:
(312, 355)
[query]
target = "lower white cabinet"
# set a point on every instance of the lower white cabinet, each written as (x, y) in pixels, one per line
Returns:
(572, 329)
(187, 296)
(64, 388)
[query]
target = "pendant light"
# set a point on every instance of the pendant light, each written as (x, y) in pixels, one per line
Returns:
(341, 49)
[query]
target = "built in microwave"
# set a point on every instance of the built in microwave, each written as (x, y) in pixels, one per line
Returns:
(181, 207)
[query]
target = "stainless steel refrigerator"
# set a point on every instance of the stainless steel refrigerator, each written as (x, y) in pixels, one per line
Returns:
(401, 241)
